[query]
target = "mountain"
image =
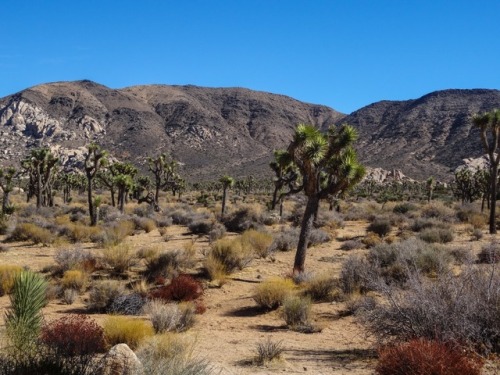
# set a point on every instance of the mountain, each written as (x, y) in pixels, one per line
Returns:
(424, 137)
(211, 131)
(215, 131)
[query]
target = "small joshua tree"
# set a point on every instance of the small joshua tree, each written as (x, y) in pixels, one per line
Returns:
(6, 183)
(94, 159)
(227, 182)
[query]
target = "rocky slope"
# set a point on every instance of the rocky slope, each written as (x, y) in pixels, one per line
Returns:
(213, 131)
(425, 137)
(210, 130)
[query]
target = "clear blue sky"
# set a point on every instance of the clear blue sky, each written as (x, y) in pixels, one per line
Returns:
(341, 53)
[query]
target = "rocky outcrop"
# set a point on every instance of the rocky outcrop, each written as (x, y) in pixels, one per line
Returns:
(383, 176)
(120, 360)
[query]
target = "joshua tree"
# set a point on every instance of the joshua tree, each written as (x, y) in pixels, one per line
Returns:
(286, 175)
(6, 183)
(41, 167)
(227, 182)
(164, 171)
(328, 166)
(94, 159)
(430, 185)
(489, 127)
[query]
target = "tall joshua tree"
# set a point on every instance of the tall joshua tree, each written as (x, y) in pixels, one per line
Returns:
(94, 159)
(41, 167)
(164, 171)
(329, 167)
(227, 182)
(489, 127)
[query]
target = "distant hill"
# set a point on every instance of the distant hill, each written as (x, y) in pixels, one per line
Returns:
(425, 137)
(210, 130)
(214, 131)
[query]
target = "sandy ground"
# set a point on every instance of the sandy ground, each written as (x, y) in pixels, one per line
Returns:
(228, 332)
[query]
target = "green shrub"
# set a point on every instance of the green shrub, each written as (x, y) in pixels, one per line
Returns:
(296, 311)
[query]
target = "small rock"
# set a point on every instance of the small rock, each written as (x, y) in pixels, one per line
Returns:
(121, 360)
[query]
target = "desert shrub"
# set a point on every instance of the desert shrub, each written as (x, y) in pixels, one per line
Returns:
(79, 232)
(462, 255)
(371, 239)
(467, 214)
(464, 309)
(356, 275)
(171, 354)
(123, 329)
(119, 257)
(115, 233)
(31, 232)
(216, 232)
(285, 240)
(436, 235)
(268, 351)
(296, 311)
(167, 317)
(23, 319)
(74, 279)
(184, 216)
(351, 245)
(8, 274)
(259, 242)
(403, 208)
(164, 221)
(322, 288)
(75, 258)
(167, 264)
(181, 288)
(420, 224)
(74, 335)
(144, 210)
(271, 293)
(243, 219)
(69, 296)
(381, 226)
(231, 254)
(215, 270)
(477, 234)
(108, 213)
(422, 357)
(144, 223)
(128, 304)
(103, 293)
(439, 211)
(317, 237)
(358, 305)
(489, 253)
(203, 226)
(330, 219)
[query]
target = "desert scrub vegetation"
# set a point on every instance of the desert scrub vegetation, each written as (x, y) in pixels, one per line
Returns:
(296, 313)
(33, 233)
(461, 309)
(322, 287)
(74, 258)
(268, 351)
(123, 329)
(420, 356)
(74, 335)
(381, 226)
(74, 279)
(165, 264)
(103, 293)
(489, 253)
(271, 293)
(181, 288)
(226, 256)
(259, 242)
(119, 257)
(170, 317)
(8, 274)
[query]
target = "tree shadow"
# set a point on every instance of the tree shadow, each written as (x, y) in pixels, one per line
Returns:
(246, 312)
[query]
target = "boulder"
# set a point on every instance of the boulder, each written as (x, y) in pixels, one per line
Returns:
(121, 360)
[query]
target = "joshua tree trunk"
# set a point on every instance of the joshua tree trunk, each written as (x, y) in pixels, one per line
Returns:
(305, 233)
(93, 219)
(493, 198)
(224, 196)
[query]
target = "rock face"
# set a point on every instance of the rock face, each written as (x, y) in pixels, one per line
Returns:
(121, 360)
(211, 131)
(216, 131)
(425, 137)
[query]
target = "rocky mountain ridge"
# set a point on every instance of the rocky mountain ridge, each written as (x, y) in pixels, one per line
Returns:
(214, 131)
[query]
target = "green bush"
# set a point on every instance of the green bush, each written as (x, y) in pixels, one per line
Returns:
(271, 293)
(296, 311)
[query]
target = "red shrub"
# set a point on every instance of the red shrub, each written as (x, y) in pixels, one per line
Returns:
(424, 357)
(181, 288)
(74, 335)
(200, 307)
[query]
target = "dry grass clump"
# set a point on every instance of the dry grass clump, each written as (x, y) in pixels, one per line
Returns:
(296, 312)
(489, 253)
(144, 223)
(167, 264)
(119, 257)
(436, 235)
(244, 218)
(122, 329)
(75, 258)
(271, 293)
(357, 275)
(228, 254)
(322, 288)
(268, 351)
(422, 357)
(115, 233)
(80, 232)
(381, 226)
(438, 210)
(285, 240)
(103, 293)
(351, 245)
(74, 279)
(8, 274)
(32, 232)
(171, 354)
(168, 317)
(259, 242)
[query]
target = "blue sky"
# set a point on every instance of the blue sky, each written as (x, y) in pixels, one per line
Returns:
(344, 54)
